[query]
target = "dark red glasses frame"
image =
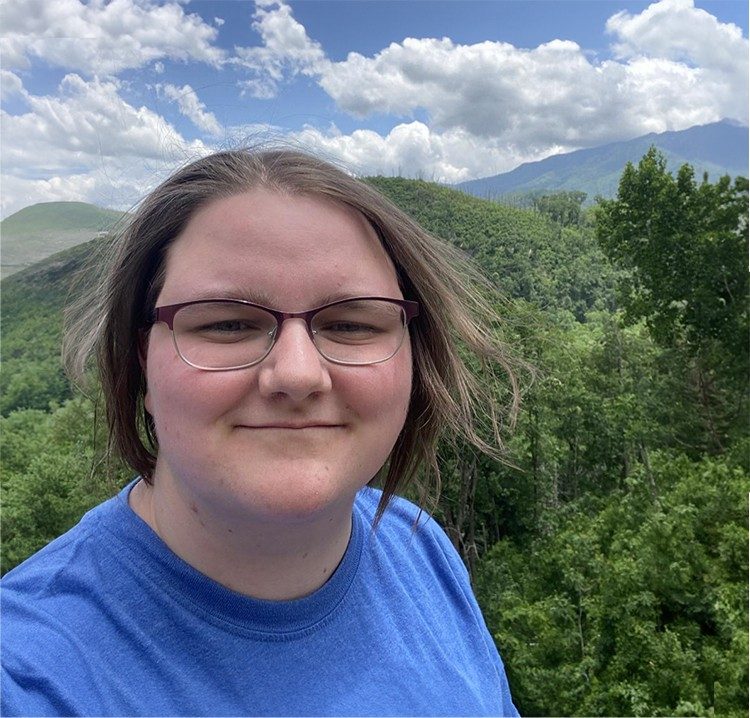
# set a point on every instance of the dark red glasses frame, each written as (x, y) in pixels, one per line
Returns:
(166, 313)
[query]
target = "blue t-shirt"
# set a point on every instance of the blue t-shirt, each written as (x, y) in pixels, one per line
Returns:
(106, 620)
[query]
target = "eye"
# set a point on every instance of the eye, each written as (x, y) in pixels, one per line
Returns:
(223, 322)
(229, 326)
(348, 332)
(344, 327)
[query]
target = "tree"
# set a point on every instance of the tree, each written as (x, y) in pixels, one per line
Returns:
(685, 246)
(563, 208)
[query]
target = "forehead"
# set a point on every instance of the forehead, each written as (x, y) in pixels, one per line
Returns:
(278, 247)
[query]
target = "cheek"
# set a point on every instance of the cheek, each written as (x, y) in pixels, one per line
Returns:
(179, 396)
(384, 395)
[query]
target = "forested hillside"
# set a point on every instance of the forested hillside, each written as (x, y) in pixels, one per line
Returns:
(609, 552)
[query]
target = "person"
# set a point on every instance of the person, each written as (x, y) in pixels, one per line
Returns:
(272, 336)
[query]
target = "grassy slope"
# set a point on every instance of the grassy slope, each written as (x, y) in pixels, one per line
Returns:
(43, 229)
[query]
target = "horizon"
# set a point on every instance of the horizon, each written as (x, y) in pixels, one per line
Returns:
(456, 186)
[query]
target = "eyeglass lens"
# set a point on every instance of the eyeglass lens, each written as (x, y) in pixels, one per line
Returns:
(226, 335)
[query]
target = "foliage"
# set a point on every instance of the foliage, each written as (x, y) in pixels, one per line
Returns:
(32, 304)
(631, 605)
(563, 208)
(526, 254)
(686, 246)
(54, 469)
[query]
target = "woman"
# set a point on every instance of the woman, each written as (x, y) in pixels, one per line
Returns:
(271, 334)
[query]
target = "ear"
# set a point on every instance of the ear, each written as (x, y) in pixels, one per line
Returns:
(143, 336)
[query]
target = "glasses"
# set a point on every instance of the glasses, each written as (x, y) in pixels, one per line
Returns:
(224, 334)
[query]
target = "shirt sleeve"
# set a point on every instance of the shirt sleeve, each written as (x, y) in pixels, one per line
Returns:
(461, 576)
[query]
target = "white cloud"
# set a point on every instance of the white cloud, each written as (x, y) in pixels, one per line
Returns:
(676, 30)
(551, 96)
(414, 150)
(89, 141)
(19, 192)
(159, 68)
(190, 106)
(286, 51)
(219, 21)
(10, 84)
(101, 37)
(714, 53)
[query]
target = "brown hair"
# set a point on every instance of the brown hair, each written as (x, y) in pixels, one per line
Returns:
(449, 399)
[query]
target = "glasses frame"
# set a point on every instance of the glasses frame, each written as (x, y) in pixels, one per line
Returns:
(166, 314)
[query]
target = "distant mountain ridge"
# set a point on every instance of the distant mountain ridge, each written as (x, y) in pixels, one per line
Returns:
(38, 231)
(719, 148)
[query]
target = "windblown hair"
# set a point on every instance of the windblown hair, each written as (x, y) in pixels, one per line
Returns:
(457, 318)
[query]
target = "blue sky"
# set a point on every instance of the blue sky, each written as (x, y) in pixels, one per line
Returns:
(100, 100)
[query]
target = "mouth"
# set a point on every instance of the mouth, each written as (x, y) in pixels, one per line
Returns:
(290, 426)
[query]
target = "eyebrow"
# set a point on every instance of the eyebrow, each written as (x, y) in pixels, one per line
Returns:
(245, 295)
(264, 299)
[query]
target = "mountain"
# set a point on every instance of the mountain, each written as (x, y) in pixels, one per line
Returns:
(43, 229)
(719, 148)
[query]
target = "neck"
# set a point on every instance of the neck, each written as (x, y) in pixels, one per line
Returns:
(265, 560)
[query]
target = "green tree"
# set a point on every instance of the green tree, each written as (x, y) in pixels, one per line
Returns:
(54, 469)
(684, 244)
(632, 604)
(563, 208)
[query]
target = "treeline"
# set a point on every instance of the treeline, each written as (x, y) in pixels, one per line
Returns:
(609, 552)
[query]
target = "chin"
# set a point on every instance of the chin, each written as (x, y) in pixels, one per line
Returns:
(297, 493)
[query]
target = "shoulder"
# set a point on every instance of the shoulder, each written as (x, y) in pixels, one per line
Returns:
(50, 589)
(43, 582)
(49, 604)
(41, 570)
(409, 531)
(414, 571)
(402, 516)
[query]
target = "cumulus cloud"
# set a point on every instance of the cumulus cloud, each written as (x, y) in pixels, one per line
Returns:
(675, 36)
(414, 150)
(663, 77)
(101, 37)
(10, 84)
(677, 30)
(190, 106)
(551, 94)
(19, 192)
(286, 50)
(89, 141)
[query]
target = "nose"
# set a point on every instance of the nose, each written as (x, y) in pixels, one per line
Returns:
(294, 367)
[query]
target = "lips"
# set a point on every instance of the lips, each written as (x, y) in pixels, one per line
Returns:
(292, 426)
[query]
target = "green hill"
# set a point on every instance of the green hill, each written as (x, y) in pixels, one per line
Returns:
(41, 230)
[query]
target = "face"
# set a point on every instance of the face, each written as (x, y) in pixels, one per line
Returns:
(295, 435)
